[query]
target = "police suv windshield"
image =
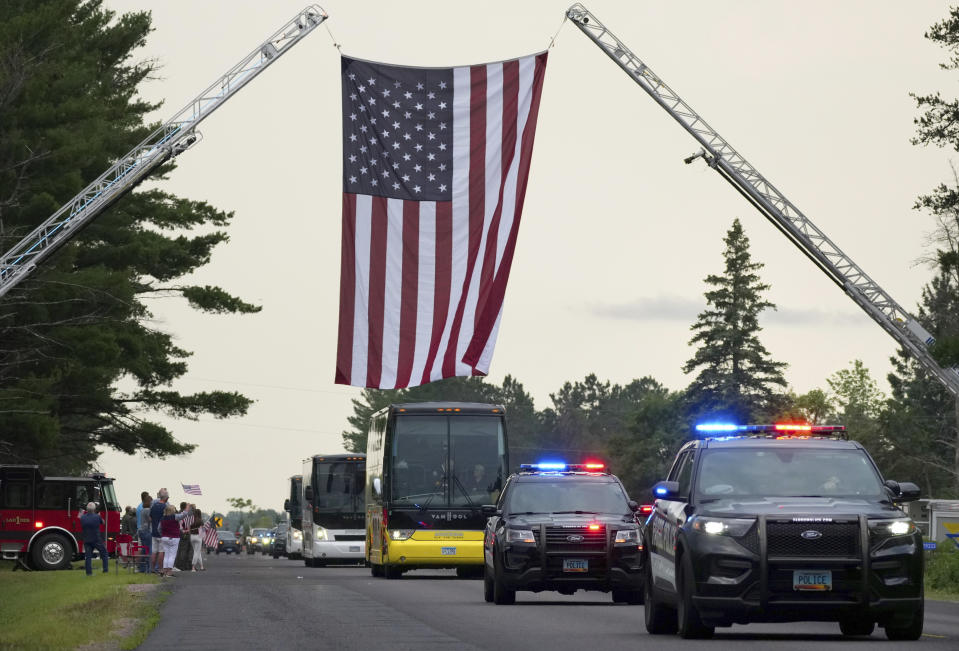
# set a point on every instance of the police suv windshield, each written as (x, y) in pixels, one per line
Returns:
(567, 496)
(786, 472)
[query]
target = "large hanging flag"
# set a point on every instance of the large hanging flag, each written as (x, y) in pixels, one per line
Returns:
(435, 167)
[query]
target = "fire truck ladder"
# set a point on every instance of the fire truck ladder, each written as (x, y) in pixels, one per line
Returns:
(812, 241)
(175, 136)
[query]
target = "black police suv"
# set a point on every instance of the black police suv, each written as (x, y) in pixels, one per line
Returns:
(564, 528)
(775, 523)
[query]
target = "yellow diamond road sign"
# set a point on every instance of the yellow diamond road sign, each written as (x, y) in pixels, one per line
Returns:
(218, 521)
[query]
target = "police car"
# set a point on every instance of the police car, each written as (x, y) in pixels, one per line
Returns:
(785, 522)
(563, 527)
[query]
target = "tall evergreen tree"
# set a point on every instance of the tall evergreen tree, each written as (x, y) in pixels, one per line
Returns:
(736, 376)
(80, 327)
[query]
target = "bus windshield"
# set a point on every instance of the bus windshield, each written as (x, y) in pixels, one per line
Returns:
(338, 486)
(447, 461)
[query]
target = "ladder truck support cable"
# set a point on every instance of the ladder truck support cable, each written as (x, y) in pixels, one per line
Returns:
(800, 230)
(172, 138)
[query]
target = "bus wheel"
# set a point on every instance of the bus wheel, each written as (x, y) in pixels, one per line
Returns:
(51, 552)
(376, 570)
(392, 572)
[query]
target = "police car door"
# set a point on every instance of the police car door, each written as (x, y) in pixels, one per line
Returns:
(669, 517)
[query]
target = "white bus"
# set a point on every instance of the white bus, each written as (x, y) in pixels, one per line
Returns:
(333, 509)
(294, 507)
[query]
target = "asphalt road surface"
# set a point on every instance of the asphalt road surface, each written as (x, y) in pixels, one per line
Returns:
(245, 602)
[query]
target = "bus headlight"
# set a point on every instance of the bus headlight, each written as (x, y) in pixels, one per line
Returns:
(320, 534)
(297, 535)
(401, 534)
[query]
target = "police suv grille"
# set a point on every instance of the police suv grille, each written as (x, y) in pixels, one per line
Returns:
(751, 540)
(350, 536)
(837, 539)
(575, 539)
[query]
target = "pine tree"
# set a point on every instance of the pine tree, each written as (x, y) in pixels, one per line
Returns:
(80, 328)
(736, 377)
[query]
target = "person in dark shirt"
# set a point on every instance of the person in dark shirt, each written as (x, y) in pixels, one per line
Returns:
(92, 538)
(156, 514)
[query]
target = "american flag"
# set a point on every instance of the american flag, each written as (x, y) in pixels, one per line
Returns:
(435, 167)
(210, 535)
(191, 489)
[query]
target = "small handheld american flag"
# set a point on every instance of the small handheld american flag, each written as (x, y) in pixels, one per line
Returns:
(192, 489)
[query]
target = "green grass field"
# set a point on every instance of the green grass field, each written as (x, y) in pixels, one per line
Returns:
(65, 609)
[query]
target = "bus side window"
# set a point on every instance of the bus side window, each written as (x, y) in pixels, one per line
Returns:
(17, 495)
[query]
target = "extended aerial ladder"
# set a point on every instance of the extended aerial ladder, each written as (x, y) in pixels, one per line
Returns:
(175, 136)
(812, 241)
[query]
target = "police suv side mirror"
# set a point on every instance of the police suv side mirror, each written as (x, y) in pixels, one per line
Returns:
(633, 505)
(286, 505)
(489, 510)
(666, 490)
(308, 493)
(902, 491)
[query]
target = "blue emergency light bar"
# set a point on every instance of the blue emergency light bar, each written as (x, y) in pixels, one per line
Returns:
(553, 466)
(783, 430)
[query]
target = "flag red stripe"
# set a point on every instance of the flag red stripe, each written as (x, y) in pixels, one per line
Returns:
(411, 262)
(498, 291)
(510, 107)
(444, 275)
(477, 204)
(374, 360)
(344, 342)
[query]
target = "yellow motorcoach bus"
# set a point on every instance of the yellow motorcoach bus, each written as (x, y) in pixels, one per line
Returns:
(430, 468)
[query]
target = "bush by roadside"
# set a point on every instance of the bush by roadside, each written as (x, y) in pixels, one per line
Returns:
(942, 572)
(67, 609)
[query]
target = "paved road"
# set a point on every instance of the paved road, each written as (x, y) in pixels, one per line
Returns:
(246, 602)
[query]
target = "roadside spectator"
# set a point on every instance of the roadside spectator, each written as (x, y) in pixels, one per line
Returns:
(196, 539)
(184, 553)
(156, 514)
(145, 531)
(93, 539)
(170, 536)
(128, 532)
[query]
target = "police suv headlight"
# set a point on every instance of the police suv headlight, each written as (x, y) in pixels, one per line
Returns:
(520, 536)
(401, 534)
(627, 537)
(734, 527)
(896, 527)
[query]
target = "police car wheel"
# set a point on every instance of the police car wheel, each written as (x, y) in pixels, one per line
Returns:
(487, 586)
(660, 619)
(856, 627)
(912, 631)
(688, 623)
(502, 596)
(51, 552)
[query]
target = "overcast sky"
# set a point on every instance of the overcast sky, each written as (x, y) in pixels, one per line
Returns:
(617, 233)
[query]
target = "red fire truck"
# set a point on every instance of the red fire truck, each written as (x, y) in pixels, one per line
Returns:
(40, 516)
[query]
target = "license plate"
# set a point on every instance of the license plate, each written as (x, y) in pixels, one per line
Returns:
(448, 551)
(812, 580)
(355, 548)
(575, 565)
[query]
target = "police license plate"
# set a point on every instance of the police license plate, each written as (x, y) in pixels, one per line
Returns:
(575, 565)
(448, 551)
(812, 580)
(355, 548)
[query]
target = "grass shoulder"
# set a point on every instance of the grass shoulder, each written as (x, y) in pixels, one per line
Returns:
(66, 609)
